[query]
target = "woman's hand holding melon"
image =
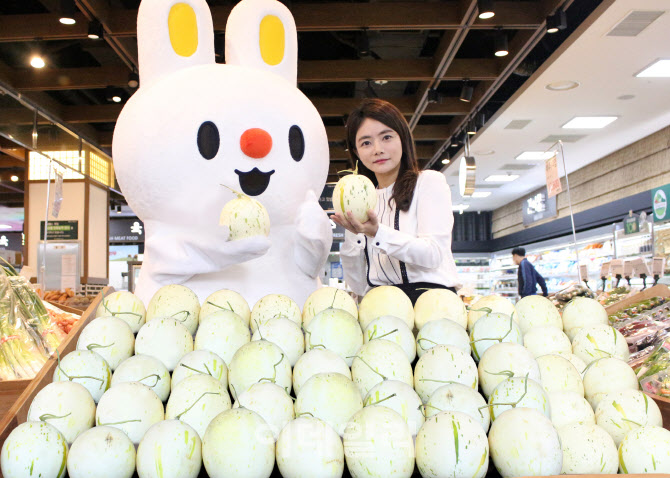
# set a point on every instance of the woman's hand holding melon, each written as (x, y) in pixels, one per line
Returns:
(350, 223)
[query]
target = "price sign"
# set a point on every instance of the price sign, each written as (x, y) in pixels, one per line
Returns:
(640, 267)
(658, 265)
(628, 268)
(584, 272)
(616, 267)
(631, 225)
(605, 269)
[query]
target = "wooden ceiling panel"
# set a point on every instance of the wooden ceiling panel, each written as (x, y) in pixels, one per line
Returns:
(338, 16)
(439, 55)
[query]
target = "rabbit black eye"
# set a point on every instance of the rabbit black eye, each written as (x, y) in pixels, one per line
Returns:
(296, 142)
(208, 140)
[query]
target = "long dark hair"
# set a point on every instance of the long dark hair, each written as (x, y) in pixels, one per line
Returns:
(386, 113)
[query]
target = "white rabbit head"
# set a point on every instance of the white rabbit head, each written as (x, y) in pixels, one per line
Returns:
(194, 125)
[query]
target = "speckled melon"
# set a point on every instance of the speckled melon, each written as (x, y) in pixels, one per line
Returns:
(356, 194)
(245, 217)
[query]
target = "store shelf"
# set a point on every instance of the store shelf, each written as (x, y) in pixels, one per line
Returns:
(559, 276)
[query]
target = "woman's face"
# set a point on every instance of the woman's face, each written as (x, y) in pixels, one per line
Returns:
(379, 148)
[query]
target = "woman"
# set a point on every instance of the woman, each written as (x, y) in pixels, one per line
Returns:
(407, 240)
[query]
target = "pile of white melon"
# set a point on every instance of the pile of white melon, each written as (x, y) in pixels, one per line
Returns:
(166, 390)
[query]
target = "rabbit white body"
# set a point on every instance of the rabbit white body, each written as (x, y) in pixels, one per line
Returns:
(177, 191)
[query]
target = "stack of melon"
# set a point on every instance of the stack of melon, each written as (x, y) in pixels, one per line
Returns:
(381, 386)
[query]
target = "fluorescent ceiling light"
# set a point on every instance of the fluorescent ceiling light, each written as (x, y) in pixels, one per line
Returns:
(501, 178)
(481, 194)
(589, 122)
(535, 155)
(658, 69)
(5, 226)
(459, 207)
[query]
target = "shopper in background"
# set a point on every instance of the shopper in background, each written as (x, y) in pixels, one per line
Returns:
(407, 240)
(528, 277)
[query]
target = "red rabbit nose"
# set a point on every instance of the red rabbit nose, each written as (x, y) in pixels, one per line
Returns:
(256, 143)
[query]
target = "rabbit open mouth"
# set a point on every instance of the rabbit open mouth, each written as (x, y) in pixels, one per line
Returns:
(254, 182)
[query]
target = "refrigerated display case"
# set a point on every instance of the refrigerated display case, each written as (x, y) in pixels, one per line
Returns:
(504, 275)
(473, 272)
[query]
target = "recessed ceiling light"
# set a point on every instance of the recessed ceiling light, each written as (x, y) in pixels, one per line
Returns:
(481, 194)
(589, 122)
(486, 9)
(562, 85)
(625, 97)
(381, 82)
(501, 178)
(658, 69)
(535, 155)
(483, 152)
(37, 62)
(14, 178)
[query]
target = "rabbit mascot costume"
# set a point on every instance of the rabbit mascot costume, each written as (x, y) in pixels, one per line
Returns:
(194, 126)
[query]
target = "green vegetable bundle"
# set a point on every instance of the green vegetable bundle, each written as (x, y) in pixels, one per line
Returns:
(21, 349)
(33, 311)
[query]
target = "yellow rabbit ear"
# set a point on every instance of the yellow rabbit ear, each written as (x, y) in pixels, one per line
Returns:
(262, 34)
(183, 29)
(271, 40)
(172, 35)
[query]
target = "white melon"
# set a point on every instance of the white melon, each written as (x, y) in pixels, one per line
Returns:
(274, 306)
(546, 339)
(570, 407)
(536, 310)
(438, 304)
(393, 329)
(452, 444)
(505, 360)
(441, 332)
(245, 217)
(223, 333)
(493, 328)
(487, 305)
(327, 298)
(599, 341)
(582, 312)
(177, 302)
(356, 194)
(226, 299)
(441, 365)
(125, 306)
(385, 300)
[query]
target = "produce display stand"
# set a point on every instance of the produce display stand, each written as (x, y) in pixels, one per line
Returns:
(17, 412)
(659, 290)
(10, 390)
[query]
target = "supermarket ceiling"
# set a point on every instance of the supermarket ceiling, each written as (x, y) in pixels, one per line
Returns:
(603, 56)
(417, 54)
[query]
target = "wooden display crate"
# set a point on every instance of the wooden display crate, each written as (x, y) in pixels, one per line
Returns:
(659, 290)
(11, 390)
(18, 412)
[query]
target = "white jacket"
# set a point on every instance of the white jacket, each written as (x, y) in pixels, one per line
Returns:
(422, 242)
